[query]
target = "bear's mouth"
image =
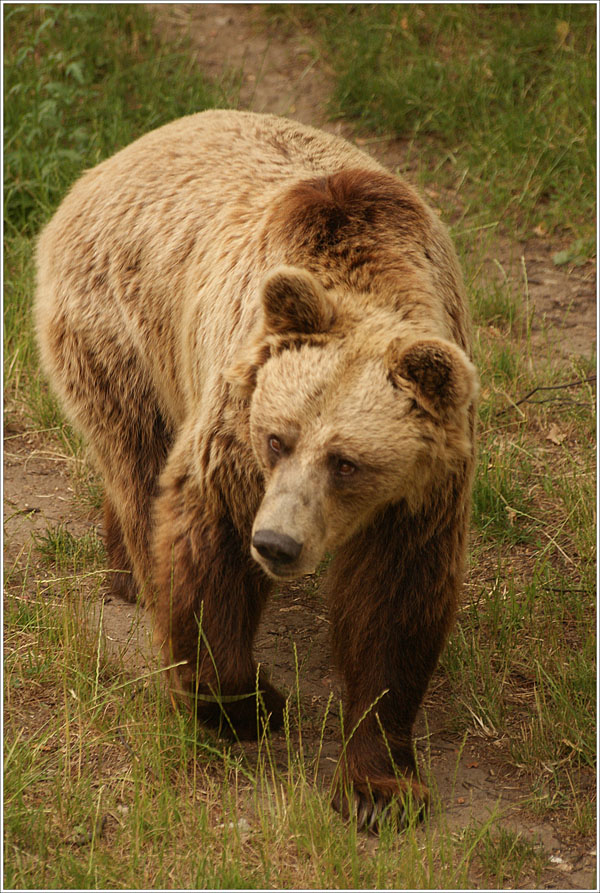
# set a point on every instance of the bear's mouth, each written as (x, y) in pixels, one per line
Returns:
(285, 577)
(280, 572)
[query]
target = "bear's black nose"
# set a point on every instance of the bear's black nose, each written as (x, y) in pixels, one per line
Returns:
(276, 547)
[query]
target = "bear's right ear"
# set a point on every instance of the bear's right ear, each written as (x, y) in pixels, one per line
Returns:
(294, 302)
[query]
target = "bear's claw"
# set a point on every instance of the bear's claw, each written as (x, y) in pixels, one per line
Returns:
(371, 809)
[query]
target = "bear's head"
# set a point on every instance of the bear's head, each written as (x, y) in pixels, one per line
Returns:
(346, 418)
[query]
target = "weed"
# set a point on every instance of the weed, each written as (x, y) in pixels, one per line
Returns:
(81, 82)
(58, 546)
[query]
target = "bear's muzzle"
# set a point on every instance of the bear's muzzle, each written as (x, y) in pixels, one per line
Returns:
(276, 548)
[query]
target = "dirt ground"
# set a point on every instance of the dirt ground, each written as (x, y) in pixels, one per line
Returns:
(279, 75)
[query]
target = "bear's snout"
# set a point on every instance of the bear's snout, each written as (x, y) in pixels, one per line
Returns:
(276, 548)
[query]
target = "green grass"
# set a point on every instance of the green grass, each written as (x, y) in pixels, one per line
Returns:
(58, 546)
(106, 785)
(80, 83)
(497, 102)
(522, 660)
(504, 854)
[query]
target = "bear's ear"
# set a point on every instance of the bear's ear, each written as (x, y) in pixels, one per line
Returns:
(441, 375)
(295, 302)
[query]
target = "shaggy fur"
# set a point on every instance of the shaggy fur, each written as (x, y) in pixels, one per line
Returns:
(263, 336)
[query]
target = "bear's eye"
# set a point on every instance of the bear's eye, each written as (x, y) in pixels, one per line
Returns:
(275, 445)
(345, 468)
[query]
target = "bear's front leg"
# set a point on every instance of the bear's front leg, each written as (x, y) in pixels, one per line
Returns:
(209, 596)
(391, 609)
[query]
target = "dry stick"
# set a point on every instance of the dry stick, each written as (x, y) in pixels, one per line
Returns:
(562, 402)
(565, 589)
(549, 387)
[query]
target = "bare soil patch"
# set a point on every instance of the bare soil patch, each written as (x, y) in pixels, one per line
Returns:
(562, 298)
(278, 74)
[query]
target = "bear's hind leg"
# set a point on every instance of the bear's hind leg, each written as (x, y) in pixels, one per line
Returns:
(130, 464)
(109, 397)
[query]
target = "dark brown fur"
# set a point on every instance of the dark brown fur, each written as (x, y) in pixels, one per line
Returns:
(405, 621)
(210, 599)
(354, 222)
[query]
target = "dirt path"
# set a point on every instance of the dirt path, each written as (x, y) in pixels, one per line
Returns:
(279, 75)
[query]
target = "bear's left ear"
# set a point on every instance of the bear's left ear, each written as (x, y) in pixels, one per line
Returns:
(442, 376)
(295, 302)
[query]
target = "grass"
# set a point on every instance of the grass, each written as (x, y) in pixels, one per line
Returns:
(57, 545)
(80, 84)
(115, 790)
(523, 654)
(106, 786)
(499, 100)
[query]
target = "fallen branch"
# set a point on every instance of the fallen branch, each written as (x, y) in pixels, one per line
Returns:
(549, 387)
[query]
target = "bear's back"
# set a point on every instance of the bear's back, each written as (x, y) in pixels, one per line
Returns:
(163, 245)
(192, 193)
(171, 222)
(209, 159)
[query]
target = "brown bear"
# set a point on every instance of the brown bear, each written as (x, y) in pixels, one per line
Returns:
(263, 336)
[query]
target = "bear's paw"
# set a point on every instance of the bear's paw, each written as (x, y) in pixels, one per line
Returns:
(398, 800)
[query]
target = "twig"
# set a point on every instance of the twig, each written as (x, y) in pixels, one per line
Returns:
(549, 387)
(126, 744)
(562, 402)
(566, 589)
